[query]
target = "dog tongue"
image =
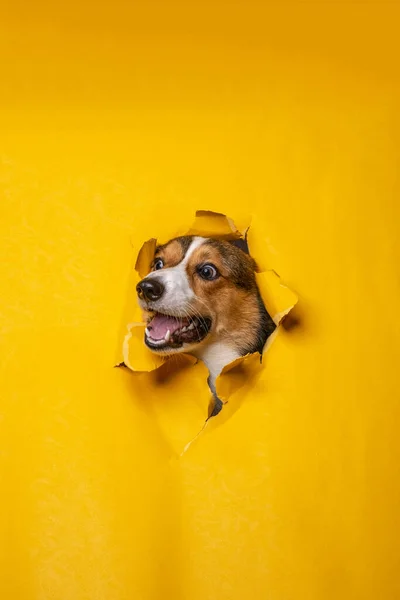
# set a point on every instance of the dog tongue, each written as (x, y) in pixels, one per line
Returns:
(160, 324)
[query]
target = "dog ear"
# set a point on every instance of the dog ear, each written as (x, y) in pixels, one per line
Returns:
(241, 244)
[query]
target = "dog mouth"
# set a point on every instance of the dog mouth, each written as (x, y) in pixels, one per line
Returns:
(165, 332)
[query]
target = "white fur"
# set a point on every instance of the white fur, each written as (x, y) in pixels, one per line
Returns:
(216, 355)
(178, 292)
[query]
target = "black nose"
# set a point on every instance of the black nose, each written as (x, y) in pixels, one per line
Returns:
(150, 289)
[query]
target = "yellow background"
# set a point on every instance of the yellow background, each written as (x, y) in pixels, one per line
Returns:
(118, 116)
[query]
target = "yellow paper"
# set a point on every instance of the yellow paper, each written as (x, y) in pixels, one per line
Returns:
(135, 355)
(118, 121)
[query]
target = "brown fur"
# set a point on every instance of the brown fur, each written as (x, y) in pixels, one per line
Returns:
(173, 251)
(232, 300)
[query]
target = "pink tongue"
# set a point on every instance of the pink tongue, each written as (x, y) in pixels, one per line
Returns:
(161, 323)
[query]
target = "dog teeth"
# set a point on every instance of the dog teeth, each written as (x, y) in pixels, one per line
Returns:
(184, 329)
(167, 336)
(147, 332)
(191, 326)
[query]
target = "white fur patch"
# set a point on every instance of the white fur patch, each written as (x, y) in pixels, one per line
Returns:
(216, 356)
(178, 291)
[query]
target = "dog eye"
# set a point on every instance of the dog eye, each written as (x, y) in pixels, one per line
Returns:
(208, 272)
(159, 263)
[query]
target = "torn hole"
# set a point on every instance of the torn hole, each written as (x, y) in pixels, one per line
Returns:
(203, 298)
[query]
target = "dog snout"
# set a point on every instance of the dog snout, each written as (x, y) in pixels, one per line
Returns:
(150, 289)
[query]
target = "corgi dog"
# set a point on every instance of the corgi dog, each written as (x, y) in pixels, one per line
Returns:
(201, 298)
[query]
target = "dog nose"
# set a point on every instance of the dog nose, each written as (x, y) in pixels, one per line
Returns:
(150, 289)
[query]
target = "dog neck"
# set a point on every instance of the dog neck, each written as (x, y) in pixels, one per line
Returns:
(216, 356)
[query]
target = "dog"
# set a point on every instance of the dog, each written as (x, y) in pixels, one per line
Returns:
(201, 298)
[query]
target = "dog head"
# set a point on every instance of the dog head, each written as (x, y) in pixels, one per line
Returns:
(201, 291)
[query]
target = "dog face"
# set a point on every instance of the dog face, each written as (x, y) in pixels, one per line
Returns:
(200, 291)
